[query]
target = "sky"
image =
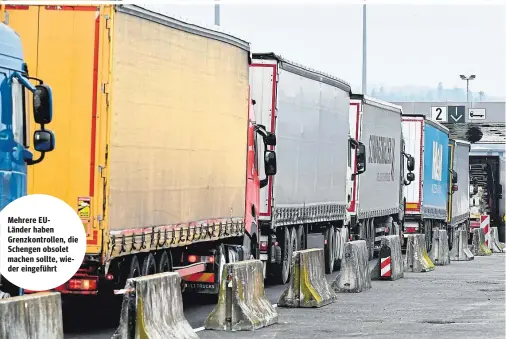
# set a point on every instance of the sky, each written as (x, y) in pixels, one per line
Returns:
(406, 44)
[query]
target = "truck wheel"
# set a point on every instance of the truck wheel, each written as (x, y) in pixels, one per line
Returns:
(281, 272)
(164, 262)
(450, 237)
(372, 236)
(329, 250)
(255, 250)
(148, 265)
(428, 234)
(338, 244)
(135, 269)
(301, 238)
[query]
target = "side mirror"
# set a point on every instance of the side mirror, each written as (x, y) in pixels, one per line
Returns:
(270, 163)
(43, 141)
(361, 159)
(270, 139)
(411, 164)
(43, 104)
(455, 177)
(455, 188)
(410, 176)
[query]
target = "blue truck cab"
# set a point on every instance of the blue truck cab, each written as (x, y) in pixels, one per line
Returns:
(15, 92)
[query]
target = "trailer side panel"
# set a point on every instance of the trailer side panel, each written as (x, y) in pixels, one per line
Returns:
(435, 172)
(379, 184)
(460, 198)
(312, 130)
(178, 140)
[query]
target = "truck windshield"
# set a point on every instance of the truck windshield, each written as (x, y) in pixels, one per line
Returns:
(19, 111)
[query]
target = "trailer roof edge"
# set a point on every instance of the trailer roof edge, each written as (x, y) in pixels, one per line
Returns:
(304, 71)
(166, 20)
(377, 102)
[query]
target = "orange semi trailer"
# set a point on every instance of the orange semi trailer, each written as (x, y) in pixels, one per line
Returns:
(156, 140)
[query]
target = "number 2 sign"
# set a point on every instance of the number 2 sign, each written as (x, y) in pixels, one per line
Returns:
(439, 113)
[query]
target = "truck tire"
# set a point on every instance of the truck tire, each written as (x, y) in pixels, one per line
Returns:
(148, 265)
(280, 273)
(163, 262)
(301, 238)
(134, 269)
(372, 236)
(329, 250)
(450, 237)
(337, 248)
(428, 234)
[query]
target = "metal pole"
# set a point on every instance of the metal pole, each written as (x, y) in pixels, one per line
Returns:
(364, 50)
(467, 92)
(217, 13)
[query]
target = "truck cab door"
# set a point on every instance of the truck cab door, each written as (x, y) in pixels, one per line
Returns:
(12, 138)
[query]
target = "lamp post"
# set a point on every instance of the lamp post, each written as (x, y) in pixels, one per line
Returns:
(471, 77)
(217, 13)
(364, 50)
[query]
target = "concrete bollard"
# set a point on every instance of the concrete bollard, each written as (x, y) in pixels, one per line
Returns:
(440, 251)
(460, 250)
(417, 260)
(242, 304)
(308, 285)
(355, 275)
(390, 265)
(37, 315)
(496, 246)
(479, 248)
(153, 309)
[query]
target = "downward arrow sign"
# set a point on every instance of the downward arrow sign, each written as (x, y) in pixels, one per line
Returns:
(456, 118)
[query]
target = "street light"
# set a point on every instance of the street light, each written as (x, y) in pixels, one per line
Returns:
(471, 77)
(217, 13)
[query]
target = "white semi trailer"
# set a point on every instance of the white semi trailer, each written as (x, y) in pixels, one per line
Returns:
(306, 206)
(377, 206)
(458, 200)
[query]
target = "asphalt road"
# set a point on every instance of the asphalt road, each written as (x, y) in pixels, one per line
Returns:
(461, 300)
(99, 321)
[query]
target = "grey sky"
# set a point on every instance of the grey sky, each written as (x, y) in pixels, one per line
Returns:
(407, 44)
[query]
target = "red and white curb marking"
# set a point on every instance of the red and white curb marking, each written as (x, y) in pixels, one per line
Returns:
(386, 271)
(485, 224)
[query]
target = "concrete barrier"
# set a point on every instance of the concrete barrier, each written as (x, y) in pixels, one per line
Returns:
(354, 276)
(417, 260)
(496, 246)
(241, 303)
(37, 316)
(153, 309)
(460, 250)
(479, 248)
(390, 265)
(308, 284)
(440, 251)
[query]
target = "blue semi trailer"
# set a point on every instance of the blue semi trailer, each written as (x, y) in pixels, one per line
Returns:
(426, 198)
(16, 90)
